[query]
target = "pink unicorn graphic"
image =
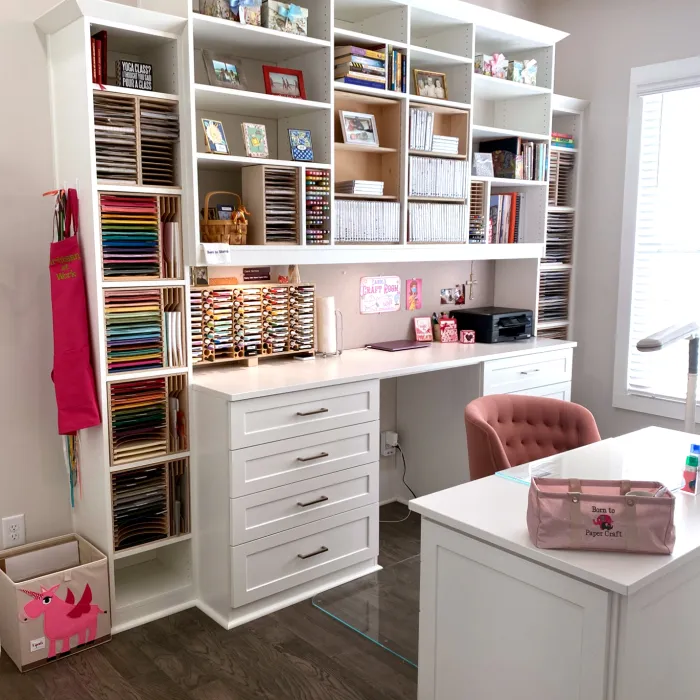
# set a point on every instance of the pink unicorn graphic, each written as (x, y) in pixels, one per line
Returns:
(63, 619)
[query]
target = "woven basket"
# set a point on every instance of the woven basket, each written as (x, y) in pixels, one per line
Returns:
(214, 231)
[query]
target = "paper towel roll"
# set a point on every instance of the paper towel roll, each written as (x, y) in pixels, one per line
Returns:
(326, 325)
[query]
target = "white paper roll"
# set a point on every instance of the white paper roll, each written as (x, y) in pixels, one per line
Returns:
(325, 312)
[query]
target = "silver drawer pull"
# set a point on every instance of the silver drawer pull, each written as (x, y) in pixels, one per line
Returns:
(321, 550)
(312, 413)
(308, 459)
(320, 499)
(529, 371)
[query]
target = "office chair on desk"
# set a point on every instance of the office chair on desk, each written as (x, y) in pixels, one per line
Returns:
(506, 430)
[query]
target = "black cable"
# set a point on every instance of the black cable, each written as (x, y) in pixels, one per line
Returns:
(403, 478)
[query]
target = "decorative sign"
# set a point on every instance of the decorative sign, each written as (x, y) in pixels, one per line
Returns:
(256, 274)
(131, 74)
(379, 295)
(217, 253)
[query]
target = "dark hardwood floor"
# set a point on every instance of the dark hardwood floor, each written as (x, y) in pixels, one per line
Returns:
(298, 653)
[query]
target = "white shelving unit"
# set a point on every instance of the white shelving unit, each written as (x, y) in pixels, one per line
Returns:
(156, 579)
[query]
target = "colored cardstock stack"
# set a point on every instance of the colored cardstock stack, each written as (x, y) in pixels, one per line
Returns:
(130, 236)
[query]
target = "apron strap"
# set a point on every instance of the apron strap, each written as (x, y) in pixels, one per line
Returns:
(72, 212)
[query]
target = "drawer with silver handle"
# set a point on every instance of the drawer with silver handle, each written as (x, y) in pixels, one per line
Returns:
(274, 464)
(275, 510)
(514, 374)
(282, 416)
(279, 562)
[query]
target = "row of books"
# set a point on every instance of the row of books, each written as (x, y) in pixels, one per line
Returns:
(437, 223)
(359, 66)
(563, 140)
(437, 177)
(397, 72)
(517, 159)
(98, 47)
(422, 138)
(371, 187)
(535, 161)
(367, 222)
(504, 217)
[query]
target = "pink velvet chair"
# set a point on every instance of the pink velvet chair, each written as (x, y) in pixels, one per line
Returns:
(505, 430)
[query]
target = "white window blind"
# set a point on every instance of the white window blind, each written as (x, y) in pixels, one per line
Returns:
(666, 278)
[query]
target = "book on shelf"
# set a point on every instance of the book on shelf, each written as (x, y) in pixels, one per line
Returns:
(437, 223)
(375, 80)
(397, 72)
(437, 177)
(361, 82)
(377, 64)
(448, 145)
(357, 66)
(367, 222)
(422, 138)
(505, 212)
(341, 52)
(98, 45)
(517, 159)
(374, 187)
(562, 140)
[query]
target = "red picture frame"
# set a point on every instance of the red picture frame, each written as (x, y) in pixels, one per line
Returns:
(274, 87)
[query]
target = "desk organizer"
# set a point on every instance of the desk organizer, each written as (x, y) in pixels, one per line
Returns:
(248, 322)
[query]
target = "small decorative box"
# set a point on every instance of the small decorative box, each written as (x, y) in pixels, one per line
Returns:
(515, 71)
(285, 17)
(448, 330)
(482, 64)
(467, 337)
(499, 66)
(482, 165)
(423, 330)
(530, 72)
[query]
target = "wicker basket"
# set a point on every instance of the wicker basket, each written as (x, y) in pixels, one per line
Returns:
(214, 231)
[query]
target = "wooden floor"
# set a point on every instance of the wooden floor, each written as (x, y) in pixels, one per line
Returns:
(298, 653)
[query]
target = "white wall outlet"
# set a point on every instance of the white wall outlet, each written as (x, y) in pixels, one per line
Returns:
(13, 532)
(389, 439)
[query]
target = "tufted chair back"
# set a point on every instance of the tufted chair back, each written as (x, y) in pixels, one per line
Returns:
(506, 430)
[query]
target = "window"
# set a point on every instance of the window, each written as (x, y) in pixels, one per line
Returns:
(660, 254)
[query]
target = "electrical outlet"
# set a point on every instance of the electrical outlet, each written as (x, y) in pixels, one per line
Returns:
(389, 441)
(13, 532)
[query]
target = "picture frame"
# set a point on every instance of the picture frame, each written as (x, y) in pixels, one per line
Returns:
(284, 82)
(359, 128)
(300, 145)
(199, 276)
(428, 83)
(224, 71)
(255, 140)
(214, 137)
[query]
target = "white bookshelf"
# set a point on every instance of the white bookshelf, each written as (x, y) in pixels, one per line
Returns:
(156, 579)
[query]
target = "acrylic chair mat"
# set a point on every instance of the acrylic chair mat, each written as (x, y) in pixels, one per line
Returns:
(382, 607)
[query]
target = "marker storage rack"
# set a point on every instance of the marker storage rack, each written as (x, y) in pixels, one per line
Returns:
(318, 207)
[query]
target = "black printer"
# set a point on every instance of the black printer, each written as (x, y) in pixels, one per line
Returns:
(494, 324)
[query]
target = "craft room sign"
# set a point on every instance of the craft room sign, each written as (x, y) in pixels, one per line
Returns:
(379, 295)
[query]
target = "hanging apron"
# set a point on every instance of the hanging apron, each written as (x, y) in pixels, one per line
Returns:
(72, 375)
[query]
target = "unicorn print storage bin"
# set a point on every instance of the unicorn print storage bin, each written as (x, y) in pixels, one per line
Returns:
(54, 600)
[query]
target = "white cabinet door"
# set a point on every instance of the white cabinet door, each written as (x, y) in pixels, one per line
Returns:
(494, 626)
(552, 391)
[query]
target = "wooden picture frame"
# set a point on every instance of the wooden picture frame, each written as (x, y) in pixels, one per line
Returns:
(214, 137)
(289, 82)
(428, 83)
(224, 71)
(359, 128)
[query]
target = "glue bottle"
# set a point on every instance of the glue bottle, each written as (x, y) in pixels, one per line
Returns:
(690, 473)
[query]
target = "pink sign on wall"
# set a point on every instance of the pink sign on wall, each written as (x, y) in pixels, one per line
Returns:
(379, 295)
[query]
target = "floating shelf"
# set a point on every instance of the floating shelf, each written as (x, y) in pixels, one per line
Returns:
(487, 87)
(213, 161)
(493, 132)
(356, 147)
(251, 42)
(252, 104)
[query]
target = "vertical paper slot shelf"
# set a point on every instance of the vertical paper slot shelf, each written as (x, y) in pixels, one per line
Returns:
(554, 296)
(197, 325)
(174, 319)
(561, 175)
(560, 237)
(159, 129)
(477, 212)
(318, 207)
(179, 497)
(171, 237)
(138, 420)
(178, 428)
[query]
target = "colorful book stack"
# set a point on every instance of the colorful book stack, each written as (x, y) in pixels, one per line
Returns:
(397, 72)
(130, 236)
(138, 420)
(318, 207)
(134, 337)
(196, 324)
(504, 217)
(357, 66)
(562, 140)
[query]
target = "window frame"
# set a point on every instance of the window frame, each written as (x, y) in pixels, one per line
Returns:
(645, 80)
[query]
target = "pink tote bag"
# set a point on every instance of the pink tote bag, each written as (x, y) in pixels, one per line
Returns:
(601, 515)
(72, 374)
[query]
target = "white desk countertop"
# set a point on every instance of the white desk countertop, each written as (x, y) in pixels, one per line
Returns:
(236, 382)
(494, 509)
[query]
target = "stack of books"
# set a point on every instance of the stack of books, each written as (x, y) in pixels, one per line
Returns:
(448, 145)
(437, 223)
(504, 217)
(562, 140)
(437, 177)
(369, 187)
(357, 66)
(397, 72)
(535, 161)
(367, 222)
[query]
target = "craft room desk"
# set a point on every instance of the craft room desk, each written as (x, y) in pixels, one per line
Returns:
(502, 619)
(286, 458)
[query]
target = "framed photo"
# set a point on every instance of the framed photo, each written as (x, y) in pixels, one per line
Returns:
(430, 84)
(255, 140)
(359, 128)
(284, 82)
(300, 144)
(224, 71)
(214, 137)
(199, 276)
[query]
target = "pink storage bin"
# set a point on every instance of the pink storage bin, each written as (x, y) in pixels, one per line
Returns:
(601, 516)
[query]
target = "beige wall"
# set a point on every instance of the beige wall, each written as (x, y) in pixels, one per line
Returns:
(607, 40)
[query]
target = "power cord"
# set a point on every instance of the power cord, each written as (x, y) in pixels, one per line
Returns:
(403, 478)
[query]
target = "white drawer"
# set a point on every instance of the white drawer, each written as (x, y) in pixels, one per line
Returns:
(527, 371)
(281, 416)
(287, 461)
(279, 562)
(553, 391)
(265, 513)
